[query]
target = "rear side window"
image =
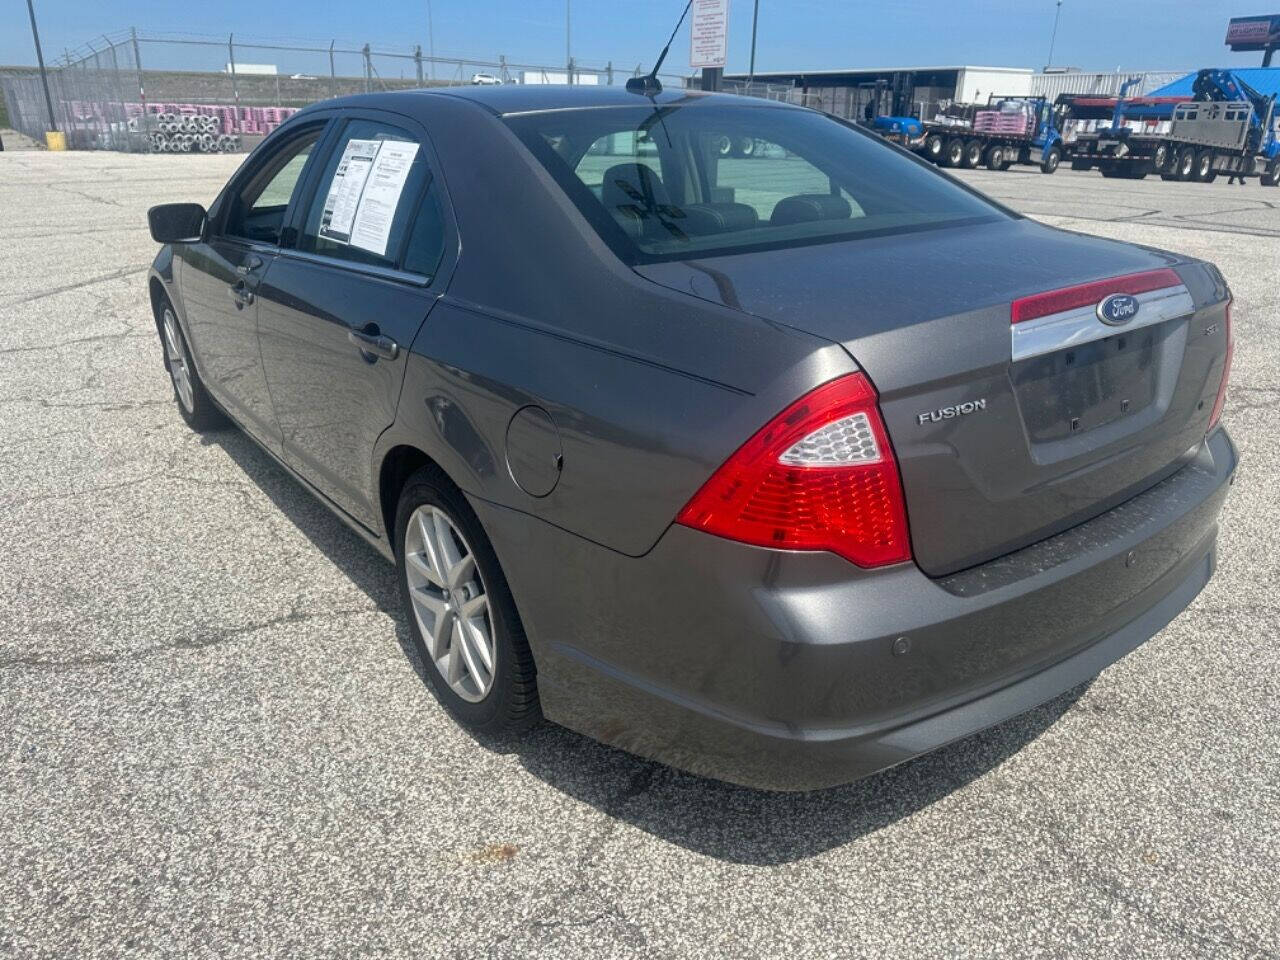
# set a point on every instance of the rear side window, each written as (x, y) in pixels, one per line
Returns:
(670, 182)
(375, 202)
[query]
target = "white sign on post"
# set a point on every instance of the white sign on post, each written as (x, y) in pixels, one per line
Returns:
(709, 33)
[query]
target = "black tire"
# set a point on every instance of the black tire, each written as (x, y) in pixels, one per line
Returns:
(972, 154)
(510, 704)
(1051, 160)
(744, 147)
(194, 403)
(1185, 164)
(934, 147)
(724, 146)
(953, 155)
(1160, 159)
(1203, 171)
(1109, 170)
(1271, 176)
(995, 157)
(1006, 165)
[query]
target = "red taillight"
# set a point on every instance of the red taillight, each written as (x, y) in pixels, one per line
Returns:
(1087, 294)
(821, 475)
(1226, 374)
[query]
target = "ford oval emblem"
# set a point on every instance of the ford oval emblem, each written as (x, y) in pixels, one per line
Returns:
(1118, 309)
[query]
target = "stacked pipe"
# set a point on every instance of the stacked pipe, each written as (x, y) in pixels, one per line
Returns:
(1013, 117)
(173, 127)
(186, 133)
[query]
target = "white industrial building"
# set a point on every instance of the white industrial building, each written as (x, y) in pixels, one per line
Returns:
(897, 91)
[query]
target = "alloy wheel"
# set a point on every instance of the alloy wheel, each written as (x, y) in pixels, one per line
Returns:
(179, 368)
(450, 603)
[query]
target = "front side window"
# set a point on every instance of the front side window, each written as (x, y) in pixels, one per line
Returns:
(369, 206)
(671, 182)
(258, 209)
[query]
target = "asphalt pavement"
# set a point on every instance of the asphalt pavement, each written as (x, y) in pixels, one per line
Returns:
(216, 742)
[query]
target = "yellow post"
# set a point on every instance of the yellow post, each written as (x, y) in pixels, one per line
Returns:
(55, 141)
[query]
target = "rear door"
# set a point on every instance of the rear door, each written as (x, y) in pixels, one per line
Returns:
(220, 278)
(339, 309)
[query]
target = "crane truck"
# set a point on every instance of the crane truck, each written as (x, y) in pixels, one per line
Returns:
(1225, 127)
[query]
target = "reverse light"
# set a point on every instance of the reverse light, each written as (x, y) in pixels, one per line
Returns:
(821, 475)
(1088, 294)
(1226, 374)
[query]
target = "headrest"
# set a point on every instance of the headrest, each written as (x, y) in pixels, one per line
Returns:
(806, 207)
(631, 188)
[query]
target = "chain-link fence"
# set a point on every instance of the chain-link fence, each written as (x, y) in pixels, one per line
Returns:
(781, 92)
(140, 92)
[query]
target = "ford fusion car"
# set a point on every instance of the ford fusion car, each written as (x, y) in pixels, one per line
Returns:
(781, 468)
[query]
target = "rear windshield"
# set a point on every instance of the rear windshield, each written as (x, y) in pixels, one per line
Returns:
(670, 182)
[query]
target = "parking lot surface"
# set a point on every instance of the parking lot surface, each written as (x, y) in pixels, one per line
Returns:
(216, 742)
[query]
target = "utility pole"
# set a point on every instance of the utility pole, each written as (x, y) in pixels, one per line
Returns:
(431, 40)
(235, 87)
(1054, 39)
(44, 76)
(568, 33)
(755, 20)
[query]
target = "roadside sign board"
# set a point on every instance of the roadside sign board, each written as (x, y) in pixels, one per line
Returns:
(709, 33)
(1253, 33)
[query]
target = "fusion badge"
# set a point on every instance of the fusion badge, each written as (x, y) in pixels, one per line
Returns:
(951, 412)
(1117, 309)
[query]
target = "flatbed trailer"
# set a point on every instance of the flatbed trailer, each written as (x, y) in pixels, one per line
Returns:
(1188, 139)
(959, 142)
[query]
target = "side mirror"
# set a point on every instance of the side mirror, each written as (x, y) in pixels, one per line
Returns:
(177, 222)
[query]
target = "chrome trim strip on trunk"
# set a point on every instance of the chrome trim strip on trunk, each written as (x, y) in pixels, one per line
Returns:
(1078, 326)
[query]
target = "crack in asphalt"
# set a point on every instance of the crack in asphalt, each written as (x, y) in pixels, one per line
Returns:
(1060, 832)
(83, 195)
(114, 275)
(640, 782)
(1174, 223)
(132, 333)
(200, 641)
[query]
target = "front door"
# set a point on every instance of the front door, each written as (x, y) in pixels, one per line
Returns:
(220, 279)
(339, 312)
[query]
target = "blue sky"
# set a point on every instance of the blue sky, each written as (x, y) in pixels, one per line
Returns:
(1094, 34)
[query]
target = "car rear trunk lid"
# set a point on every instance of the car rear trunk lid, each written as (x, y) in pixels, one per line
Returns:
(1005, 433)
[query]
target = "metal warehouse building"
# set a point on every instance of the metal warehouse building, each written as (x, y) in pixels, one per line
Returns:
(898, 91)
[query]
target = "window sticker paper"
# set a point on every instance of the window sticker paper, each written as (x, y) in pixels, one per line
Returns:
(382, 189)
(343, 199)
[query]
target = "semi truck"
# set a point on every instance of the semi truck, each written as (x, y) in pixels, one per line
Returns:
(1005, 131)
(1225, 127)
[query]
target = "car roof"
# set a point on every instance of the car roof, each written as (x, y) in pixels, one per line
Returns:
(527, 98)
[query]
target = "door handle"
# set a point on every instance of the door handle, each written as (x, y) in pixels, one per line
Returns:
(251, 262)
(374, 343)
(241, 294)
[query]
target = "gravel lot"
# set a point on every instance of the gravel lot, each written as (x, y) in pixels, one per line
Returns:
(216, 743)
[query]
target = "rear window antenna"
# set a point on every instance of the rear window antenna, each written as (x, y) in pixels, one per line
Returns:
(649, 84)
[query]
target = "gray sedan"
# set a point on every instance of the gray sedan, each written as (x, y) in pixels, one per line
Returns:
(781, 465)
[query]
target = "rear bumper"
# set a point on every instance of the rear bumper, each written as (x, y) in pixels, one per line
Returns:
(794, 671)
